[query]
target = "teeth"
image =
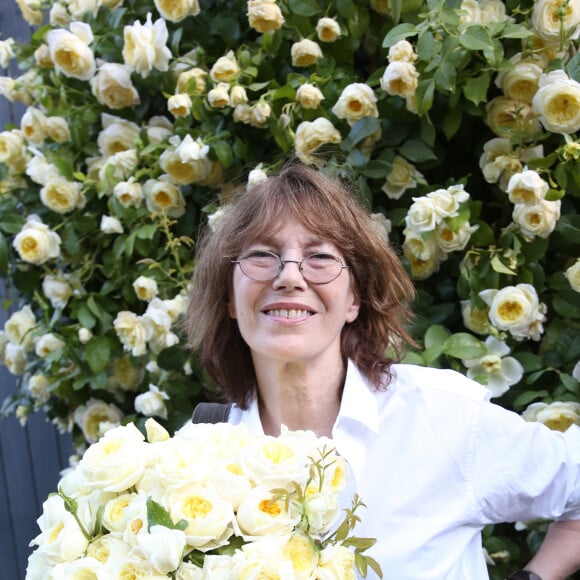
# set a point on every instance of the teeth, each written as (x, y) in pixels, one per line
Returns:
(292, 313)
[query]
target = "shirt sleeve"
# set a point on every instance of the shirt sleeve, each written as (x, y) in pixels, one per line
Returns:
(523, 470)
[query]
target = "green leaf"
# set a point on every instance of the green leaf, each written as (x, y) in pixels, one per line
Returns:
(85, 317)
(500, 267)
(223, 152)
(399, 32)
(98, 352)
(476, 37)
(436, 335)
(345, 8)
(11, 223)
(304, 7)
(3, 255)
(475, 88)
(424, 95)
(516, 31)
(573, 67)
(358, 25)
(395, 7)
(157, 515)
(527, 397)
(465, 346)
(417, 151)
(359, 131)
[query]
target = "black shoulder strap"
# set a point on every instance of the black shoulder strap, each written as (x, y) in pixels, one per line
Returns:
(211, 413)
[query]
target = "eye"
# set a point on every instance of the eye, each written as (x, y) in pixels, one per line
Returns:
(321, 260)
(261, 258)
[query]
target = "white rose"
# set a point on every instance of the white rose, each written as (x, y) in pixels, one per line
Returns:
(310, 136)
(422, 215)
(38, 387)
(57, 129)
(41, 171)
(84, 567)
(219, 96)
(162, 196)
(78, 8)
(260, 113)
(551, 18)
(242, 113)
(492, 11)
(59, 15)
(70, 51)
(238, 96)
(152, 403)
(117, 461)
(6, 52)
(474, 319)
(129, 193)
(400, 79)
(13, 150)
(453, 241)
(558, 415)
(403, 176)
(155, 432)
(191, 81)
(423, 254)
(176, 11)
(90, 416)
(162, 547)
(61, 538)
(356, 101)
(505, 115)
(469, 13)
(132, 332)
(305, 53)
(402, 51)
(522, 80)
(573, 275)
(111, 225)
(159, 129)
(557, 101)
(189, 571)
(158, 321)
(527, 187)
(382, 225)
(179, 105)
(309, 96)
(327, 29)
(20, 326)
(225, 69)
(264, 15)
(145, 288)
(15, 358)
(62, 196)
(175, 307)
(39, 566)
(537, 220)
(119, 166)
(117, 135)
(36, 243)
(33, 125)
(84, 335)
(42, 56)
(57, 289)
(256, 175)
(336, 563)
(123, 510)
(112, 86)
(144, 46)
(321, 509)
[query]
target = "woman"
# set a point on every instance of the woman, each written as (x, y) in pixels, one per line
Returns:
(296, 299)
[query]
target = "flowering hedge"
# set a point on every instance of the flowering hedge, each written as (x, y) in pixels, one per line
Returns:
(456, 122)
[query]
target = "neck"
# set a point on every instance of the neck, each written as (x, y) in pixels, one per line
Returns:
(300, 396)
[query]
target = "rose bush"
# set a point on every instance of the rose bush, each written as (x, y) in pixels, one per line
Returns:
(455, 121)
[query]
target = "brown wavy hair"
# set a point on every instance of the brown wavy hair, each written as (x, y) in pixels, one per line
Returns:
(324, 206)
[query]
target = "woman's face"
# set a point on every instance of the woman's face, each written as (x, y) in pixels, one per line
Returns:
(288, 319)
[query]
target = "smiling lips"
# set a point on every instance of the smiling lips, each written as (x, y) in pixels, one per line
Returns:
(288, 313)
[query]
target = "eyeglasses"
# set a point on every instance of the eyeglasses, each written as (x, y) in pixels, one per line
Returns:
(263, 266)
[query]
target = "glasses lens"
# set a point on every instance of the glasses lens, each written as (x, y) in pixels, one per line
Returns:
(260, 265)
(321, 268)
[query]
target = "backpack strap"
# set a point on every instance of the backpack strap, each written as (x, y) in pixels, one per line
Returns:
(211, 413)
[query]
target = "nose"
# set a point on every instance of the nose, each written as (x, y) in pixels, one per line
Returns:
(290, 276)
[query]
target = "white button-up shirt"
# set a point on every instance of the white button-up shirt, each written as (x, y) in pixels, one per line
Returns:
(434, 461)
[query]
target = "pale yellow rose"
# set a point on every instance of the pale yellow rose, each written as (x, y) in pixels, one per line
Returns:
(219, 96)
(6, 52)
(84, 335)
(422, 216)
(538, 220)
(152, 403)
(118, 167)
(129, 193)
(403, 176)
(108, 548)
(225, 69)
(527, 187)
(62, 196)
(33, 125)
(260, 113)
(155, 432)
(573, 275)
(144, 47)
(13, 150)
(38, 387)
(191, 81)
(159, 129)
(558, 415)
(111, 225)
(177, 10)
(242, 113)
(58, 289)
(474, 319)
(70, 51)
(145, 288)
(256, 175)
(305, 53)
(356, 101)
(238, 96)
(310, 136)
(400, 79)
(423, 254)
(31, 11)
(47, 344)
(132, 332)
(112, 86)
(78, 8)
(402, 51)
(117, 135)
(551, 18)
(119, 513)
(469, 13)
(189, 571)
(493, 11)
(300, 551)
(40, 171)
(450, 240)
(179, 105)
(42, 57)
(327, 29)
(336, 563)
(381, 224)
(557, 101)
(264, 15)
(57, 129)
(124, 375)
(20, 326)
(308, 96)
(163, 196)
(162, 547)
(36, 243)
(521, 82)
(184, 172)
(59, 16)
(505, 116)
(15, 358)
(159, 323)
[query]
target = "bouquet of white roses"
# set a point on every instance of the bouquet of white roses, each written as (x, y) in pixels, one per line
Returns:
(212, 501)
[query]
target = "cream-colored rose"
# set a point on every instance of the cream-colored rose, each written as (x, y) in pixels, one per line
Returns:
(129, 193)
(125, 376)
(70, 51)
(336, 563)
(179, 105)
(257, 175)
(310, 136)
(402, 51)
(474, 319)
(551, 18)
(78, 8)
(264, 15)
(60, 538)
(58, 289)
(117, 461)
(15, 358)
(469, 13)
(260, 113)
(62, 196)
(558, 415)
(159, 129)
(163, 196)
(132, 332)
(538, 220)
(119, 166)
(191, 81)
(41, 171)
(219, 96)
(48, 344)
(144, 47)
(162, 548)
(111, 225)
(400, 79)
(403, 176)
(422, 216)
(521, 82)
(19, 328)
(36, 243)
(59, 16)
(356, 101)
(152, 403)
(84, 335)
(527, 188)
(573, 275)
(145, 288)
(492, 11)
(13, 150)
(38, 387)
(453, 241)
(42, 56)
(112, 86)
(122, 512)
(23, 88)
(308, 96)
(423, 254)
(225, 69)
(159, 323)
(155, 432)
(33, 126)
(57, 129)
(6, 52)
(557, 101)
(117, 135)
(305, 53)
(242, 113)
(516, 309)
(504, 116)
(189, 571)
(177, 10)
(183, 171)
(238, 96)
(327, 29)
(31, 11)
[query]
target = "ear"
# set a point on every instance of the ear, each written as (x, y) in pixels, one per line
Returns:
(354, 308)
(232, 309)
